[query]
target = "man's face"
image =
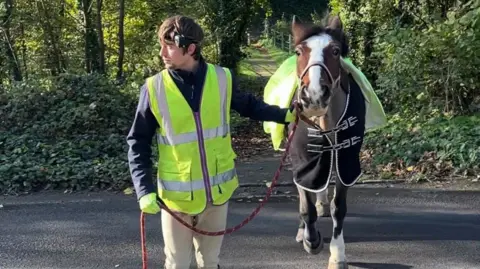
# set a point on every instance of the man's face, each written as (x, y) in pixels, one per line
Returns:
(174, 57)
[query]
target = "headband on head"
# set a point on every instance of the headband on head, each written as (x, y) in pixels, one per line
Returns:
(181, 41)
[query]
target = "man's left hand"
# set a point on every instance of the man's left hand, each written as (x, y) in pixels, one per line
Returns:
(291, 114)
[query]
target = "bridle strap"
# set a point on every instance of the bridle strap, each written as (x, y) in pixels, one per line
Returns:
(335, 84)
(306, 120)
(317, 63)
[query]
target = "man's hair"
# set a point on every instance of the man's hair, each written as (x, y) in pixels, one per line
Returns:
(186, 27)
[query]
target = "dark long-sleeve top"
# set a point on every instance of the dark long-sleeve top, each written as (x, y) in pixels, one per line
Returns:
(190, 84)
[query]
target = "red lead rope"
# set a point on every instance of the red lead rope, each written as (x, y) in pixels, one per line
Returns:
(229, 230)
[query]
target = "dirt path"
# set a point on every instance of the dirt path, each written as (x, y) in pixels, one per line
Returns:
(261, 62)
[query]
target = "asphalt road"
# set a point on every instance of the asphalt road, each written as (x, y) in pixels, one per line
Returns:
(385, 228)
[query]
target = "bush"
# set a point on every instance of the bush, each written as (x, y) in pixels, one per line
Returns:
(67, 106)
(68, 133)
(443, 75)
(428, 148)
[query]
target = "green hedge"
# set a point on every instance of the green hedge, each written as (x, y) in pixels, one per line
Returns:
(68, 133)
(427, 148)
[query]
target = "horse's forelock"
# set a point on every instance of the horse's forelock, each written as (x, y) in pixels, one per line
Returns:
(307, 32)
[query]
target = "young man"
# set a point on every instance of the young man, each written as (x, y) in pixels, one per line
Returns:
(187, 106)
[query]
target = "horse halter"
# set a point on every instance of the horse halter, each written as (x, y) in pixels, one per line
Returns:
(324, 67)
(317, 131)
(335, 85)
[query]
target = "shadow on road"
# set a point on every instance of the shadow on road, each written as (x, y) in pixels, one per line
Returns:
(379, 265)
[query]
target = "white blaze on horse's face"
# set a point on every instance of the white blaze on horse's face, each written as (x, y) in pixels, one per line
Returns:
(314, 92)
(318, 50)
(317, 94)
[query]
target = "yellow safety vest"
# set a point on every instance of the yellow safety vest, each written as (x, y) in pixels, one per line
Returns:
(196, 164)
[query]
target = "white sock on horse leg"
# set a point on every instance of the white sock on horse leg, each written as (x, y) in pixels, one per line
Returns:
(337, 249)
(322, 197)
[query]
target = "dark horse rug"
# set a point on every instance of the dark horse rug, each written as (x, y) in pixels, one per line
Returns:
(316, 157)
(354, 109)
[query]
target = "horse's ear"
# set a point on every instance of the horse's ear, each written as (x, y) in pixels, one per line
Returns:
(337, 32)
(296, 23)
(335, 23)
(297, 29)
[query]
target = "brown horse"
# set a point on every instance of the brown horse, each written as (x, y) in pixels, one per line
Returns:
(329, 137)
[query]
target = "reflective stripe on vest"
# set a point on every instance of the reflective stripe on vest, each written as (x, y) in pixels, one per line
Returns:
(169, 138)
(195, 184)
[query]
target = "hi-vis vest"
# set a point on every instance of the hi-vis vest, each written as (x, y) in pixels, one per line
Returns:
(196, 162)
(283, 83)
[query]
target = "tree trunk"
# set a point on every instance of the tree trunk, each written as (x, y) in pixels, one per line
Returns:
(24, 50)
(101, 42)
(90, 43)
(51, 39)
(121, 41)
(9, 43)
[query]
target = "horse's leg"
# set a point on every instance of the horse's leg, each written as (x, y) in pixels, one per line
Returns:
(339, 210)
(307, 231)
(322, 204)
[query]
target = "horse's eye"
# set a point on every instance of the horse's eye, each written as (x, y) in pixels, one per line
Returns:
(336, 51)
(297, 52)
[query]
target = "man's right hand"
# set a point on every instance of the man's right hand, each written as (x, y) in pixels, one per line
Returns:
(148, 204)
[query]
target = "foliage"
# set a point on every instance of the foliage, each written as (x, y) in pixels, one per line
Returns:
(285, 9)
(448, 53)
(67, 132)
(430, 148)
(67, 104)
(421, 54)
(44, 38)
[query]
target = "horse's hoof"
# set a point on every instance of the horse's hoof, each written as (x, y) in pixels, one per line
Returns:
(299, 237)
(323, 210)
(337, 265)
(313, 247)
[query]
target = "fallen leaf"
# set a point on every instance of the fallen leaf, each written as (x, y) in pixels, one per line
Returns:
(128, 191)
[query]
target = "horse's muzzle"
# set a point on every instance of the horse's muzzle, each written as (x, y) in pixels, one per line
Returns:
(320, 100)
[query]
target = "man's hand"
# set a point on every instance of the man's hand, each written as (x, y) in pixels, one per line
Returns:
(148, 204)
(291, 113)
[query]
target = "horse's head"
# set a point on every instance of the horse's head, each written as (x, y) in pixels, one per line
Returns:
(319, 49)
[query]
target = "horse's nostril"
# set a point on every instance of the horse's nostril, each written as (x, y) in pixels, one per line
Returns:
(325, 91)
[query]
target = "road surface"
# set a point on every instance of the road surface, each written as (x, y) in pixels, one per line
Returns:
(386, 228)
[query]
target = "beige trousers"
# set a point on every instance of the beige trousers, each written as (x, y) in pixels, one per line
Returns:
(180, 242)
